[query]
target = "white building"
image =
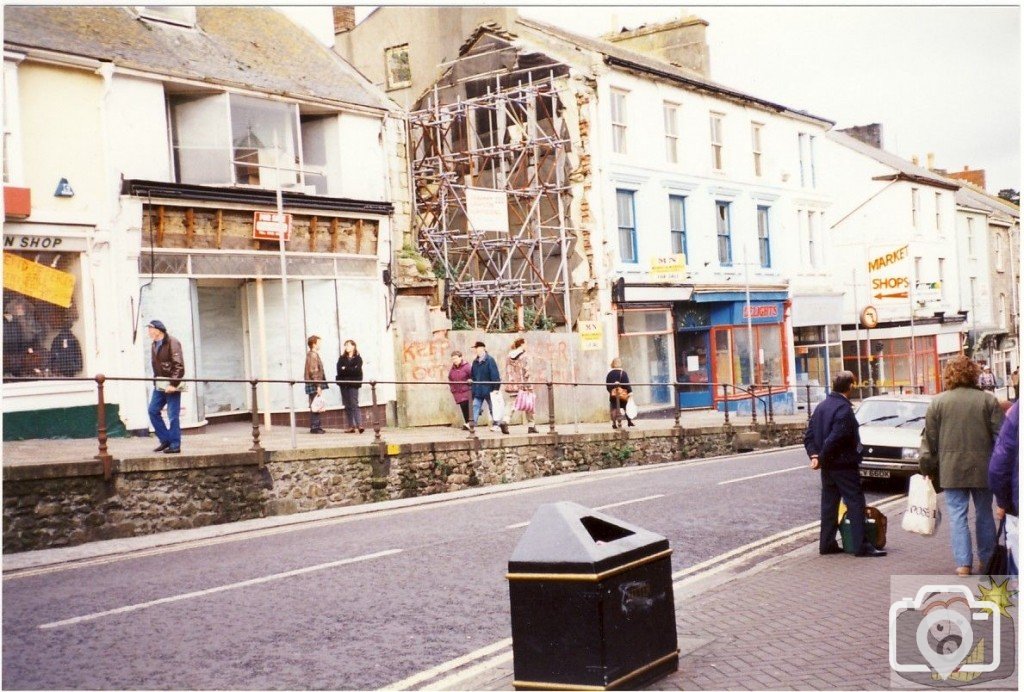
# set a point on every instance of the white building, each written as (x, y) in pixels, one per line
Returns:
(175, 127)
(894, 232)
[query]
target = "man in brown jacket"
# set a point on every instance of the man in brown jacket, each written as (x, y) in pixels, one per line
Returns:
(960, 428)
(168, 369)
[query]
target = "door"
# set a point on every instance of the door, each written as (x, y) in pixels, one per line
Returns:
(693, 368)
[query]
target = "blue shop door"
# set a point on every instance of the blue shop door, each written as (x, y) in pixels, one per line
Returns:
(693, 368)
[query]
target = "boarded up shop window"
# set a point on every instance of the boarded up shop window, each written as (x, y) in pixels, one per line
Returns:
(42, 328)
(396, 63)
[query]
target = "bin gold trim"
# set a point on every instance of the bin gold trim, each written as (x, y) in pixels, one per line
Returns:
(525, 684)
(600, 576)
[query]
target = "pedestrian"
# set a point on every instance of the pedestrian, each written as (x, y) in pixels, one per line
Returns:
(619, 391)
(1015, 383)
(486, 379)
(832, 442)
(168, 364)
(314, 375)
(517, 370)
(350, 378)
(986, 380)
(1003, 471)
(458, 377)
(960, 426)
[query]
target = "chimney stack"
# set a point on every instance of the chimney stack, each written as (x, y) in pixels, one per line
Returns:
(867, 134)
(915, 159)
(681, 42)
(931, 161)
(344, 18)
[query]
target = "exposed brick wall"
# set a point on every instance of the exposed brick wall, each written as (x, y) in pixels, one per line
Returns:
(344, 18)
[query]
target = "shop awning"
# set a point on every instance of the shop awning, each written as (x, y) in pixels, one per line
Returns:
(737, 296)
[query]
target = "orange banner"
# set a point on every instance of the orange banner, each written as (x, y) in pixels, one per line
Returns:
(37, 280)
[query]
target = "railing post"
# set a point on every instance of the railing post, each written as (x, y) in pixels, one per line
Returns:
(677, 428)
(753, 406)
(373, 411)
(255, 411)
(771, 407)
(808, 401)
(101, 429)
(725, 402)
(551, 407)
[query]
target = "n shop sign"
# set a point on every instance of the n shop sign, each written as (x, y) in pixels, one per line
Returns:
(269, 225)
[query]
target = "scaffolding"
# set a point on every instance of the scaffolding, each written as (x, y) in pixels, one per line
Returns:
(494, 129)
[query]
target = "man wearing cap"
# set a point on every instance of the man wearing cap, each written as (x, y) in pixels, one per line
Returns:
(484, 372)
(168, 369)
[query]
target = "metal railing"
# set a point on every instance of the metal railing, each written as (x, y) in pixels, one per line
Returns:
(762, 396)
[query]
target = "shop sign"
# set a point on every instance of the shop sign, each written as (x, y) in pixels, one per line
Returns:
(670, 268)
(760, 312)
(43, 243)
(37, 280)
(888, 270)
(757, 312)
(269, 225)
(487, 210)
(928, 292)
(591, 336)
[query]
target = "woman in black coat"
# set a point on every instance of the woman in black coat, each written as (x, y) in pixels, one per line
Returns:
(618, 379)
(350, 379)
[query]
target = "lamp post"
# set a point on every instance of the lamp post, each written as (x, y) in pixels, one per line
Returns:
(750, 326)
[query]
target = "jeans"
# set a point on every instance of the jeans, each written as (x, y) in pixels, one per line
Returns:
(845, 484)
(172, 401)
(478, 405)
(957, 502)
(350, 400)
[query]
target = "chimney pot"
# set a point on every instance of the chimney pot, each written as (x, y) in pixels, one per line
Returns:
(344, 18)
(915, 160)
(931, 160)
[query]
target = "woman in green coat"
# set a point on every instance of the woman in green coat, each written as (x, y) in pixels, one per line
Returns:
(961, 426)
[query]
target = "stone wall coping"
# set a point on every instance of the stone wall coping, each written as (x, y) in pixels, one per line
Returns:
(185, 462)
(48, 471)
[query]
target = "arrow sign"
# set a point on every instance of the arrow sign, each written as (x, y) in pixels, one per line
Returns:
(904, 294)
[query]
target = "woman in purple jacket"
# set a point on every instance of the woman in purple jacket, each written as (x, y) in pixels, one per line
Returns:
(459, 376)
(1003, 473)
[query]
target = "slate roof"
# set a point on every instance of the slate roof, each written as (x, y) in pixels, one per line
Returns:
(252, 47)
(617, 55)
(976, 199)
(898, 164)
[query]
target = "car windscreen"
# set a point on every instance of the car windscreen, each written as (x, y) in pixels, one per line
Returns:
(893, 413)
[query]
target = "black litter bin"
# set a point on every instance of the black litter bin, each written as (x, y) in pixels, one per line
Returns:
(591, 600)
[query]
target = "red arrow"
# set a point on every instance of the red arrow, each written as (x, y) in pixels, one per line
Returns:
(892, 295)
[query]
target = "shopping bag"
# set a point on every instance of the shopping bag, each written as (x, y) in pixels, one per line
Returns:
(497, 407)
(922, 515)
(875, 524)
(631, 409)
(999, 564)
(317, 405)
(525, 401)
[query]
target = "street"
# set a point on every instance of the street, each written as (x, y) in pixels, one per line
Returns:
(363, 601)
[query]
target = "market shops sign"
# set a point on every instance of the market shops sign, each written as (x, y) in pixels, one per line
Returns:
(888, 269)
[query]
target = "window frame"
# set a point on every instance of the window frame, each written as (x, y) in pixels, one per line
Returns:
(915, 206)
(620, 121)
(938, 212)
(670, 116)
(764, 236)
(388, 72)
(997, 252)
(970, 236)
(756, 147)
(716, 124)
(814, 254)
(678, 234)
(633, 245)
(11, 151)
(723, 222)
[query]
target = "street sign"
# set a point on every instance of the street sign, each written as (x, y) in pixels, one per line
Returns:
(670, 268)
(269, 225)
(889, 272)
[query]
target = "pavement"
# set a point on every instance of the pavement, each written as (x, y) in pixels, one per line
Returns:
(227, 438)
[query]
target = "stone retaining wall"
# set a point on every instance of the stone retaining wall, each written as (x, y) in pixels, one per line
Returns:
(55, 505)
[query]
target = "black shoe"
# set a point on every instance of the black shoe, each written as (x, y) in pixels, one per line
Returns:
(871, 551)
(532, 431)
(504, 428)
(833, 549)
(172, 450)
(162, 447)
(631, 423)
(360, 430)
(317, 431)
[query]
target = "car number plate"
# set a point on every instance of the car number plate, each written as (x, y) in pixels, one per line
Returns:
(876, 473)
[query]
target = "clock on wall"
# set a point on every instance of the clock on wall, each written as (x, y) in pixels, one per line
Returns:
(869, 317)
(694, 317)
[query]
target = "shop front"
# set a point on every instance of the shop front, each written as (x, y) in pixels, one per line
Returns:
(727, 346)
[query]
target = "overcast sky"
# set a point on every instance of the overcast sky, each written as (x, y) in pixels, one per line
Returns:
(945, 80)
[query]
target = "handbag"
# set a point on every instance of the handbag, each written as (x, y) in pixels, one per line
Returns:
(922, 515)
(318, 404)
(620, 393)
(525, 401)
(999, 563)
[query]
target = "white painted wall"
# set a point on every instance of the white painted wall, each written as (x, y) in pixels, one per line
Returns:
(362, 157)
(137, 114)
(973, 263)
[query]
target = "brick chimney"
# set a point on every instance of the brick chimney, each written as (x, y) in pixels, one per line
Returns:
(868, 134)
(975, 177)
(344, 18)
(682, 42)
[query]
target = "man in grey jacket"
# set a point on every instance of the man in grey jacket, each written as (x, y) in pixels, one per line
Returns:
(960, 427)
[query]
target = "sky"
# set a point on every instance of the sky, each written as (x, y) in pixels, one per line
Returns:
(940, 79)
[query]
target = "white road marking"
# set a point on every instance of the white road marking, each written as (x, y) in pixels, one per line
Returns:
(711, 566)
(762, 475)
(216, 589)
(597, 509)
